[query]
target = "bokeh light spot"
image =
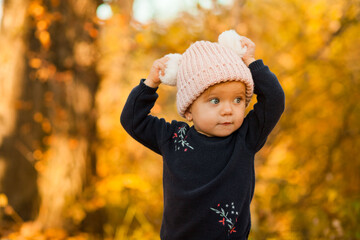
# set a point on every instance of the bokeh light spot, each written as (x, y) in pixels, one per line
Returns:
(104, 11)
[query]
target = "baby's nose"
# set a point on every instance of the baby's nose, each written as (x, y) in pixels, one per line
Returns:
(226, 109)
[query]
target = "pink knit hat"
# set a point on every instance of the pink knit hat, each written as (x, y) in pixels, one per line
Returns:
(204, 64)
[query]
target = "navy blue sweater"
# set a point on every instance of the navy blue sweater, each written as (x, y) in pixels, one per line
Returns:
(208, 181)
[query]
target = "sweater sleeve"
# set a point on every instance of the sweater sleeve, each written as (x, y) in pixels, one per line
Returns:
(269, 107)
(137, 121)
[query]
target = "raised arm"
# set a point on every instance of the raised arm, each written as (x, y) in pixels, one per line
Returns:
(136, 118)
(269, 107)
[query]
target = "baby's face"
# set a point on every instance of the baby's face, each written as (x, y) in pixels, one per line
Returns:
(220, 110)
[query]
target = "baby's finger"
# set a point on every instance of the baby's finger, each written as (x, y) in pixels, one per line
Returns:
(158, 65)
(161, 65)
(250, 44)
(246, 42)
(162, 72)
(161, 69)
(164, 59)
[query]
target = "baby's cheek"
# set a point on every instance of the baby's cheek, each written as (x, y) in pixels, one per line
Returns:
(240, 121)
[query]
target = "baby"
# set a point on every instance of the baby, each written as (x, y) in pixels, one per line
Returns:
(208, 168)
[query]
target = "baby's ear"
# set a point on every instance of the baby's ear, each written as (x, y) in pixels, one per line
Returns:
(188, 115)
(171, 70)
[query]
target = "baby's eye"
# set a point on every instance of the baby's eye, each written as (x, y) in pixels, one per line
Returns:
(237, 100)
(214, 100)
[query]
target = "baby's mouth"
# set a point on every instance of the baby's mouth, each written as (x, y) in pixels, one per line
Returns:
(225, 123)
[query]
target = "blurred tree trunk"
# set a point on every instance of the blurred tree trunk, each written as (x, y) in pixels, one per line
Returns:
(17, 174)
(62, 60)
(50, 85)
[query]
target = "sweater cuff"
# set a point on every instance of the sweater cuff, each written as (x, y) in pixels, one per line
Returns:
(256, 65)
(146, 87)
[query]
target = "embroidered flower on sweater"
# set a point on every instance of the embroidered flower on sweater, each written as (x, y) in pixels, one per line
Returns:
(180, 139)
(228, 216)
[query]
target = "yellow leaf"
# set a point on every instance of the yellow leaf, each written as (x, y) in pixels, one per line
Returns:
(35, 62)
(38, 117)
(44, 38)
(3, 200)
(36, 9)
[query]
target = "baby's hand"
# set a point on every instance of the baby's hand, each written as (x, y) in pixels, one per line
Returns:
(158, 67)
(249, 56)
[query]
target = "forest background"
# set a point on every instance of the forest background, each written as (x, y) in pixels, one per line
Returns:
(69, 171)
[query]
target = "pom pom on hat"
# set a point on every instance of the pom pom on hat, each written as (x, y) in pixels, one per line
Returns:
(231, 39)
(171, 70)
